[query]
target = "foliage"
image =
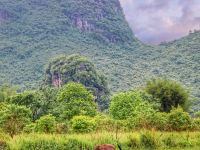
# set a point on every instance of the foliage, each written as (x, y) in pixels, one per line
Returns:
(197, 114)
(76, 100)
(29, 99)
(76, 68)
(48, 100)
(148, 140)
(41, 102)
(127, 63)
(157, 140)
(14, 119)
(30, 128)
(46, 124)
(6, 91)
(128, 104)
(170, 93)
(106, 123)
(179, 120)
(83, 124)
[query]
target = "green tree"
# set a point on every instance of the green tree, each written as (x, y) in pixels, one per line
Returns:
(46, 124)
(76, 68)
(127, 105)
(48, 100)
(170, 94)
(14, 118)
(76, 100)
(83, 124)
(179, 120)
(31, 100)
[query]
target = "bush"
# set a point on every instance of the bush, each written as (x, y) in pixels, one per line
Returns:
(29, 128)
(83, 124)
(46, 124)
(128, 104)
(14, 118)
(195, 124)
(133, 142)
(169, 141)
(179, 120)
(62, 128)
(159, 121)
(105, 123)
(148, 140)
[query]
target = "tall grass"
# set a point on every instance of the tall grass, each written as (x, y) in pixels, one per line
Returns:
(128, 141)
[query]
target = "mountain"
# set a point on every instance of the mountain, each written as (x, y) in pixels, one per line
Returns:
(32, 32)
(35, 31)
(182, 61)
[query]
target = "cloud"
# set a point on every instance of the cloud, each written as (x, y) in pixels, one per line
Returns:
(154, 21)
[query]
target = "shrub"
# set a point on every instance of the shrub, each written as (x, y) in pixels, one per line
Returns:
(46, 124)
(195, 124)
(169, 141)
(29, 128)
(133, 142)
(105, 123)
(83, 124)
(148, 140)
(159, 121)
(62, 128)
(14, 118)
(128, 104)
(179, 120)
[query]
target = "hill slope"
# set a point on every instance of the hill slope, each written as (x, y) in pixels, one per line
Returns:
(32, 32)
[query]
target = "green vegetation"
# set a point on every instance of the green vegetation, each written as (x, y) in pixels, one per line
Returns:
(125, 105)
(76, 68)
(76, 100)
(69, 106)
(73, 113)
(37, 31)
(14, 118)
(169, 93)
(128, 141)
(83, 124)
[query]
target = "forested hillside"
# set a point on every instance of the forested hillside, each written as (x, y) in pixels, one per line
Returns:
(35, 31)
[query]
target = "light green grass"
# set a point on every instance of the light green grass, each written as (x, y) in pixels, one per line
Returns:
(179, 141)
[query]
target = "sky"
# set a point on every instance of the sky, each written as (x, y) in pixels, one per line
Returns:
(155, 21)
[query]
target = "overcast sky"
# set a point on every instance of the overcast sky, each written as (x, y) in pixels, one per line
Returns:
(154, 21)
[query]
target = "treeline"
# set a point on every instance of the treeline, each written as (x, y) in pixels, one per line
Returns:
(161, 105)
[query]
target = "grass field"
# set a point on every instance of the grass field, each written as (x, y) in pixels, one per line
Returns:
(140, 140)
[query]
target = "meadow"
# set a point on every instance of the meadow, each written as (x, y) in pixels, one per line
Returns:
(140, 140)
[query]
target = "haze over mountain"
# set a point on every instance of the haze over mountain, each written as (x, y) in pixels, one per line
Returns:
(35, 31)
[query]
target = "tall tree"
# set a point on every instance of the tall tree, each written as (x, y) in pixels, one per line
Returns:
(170, 94)
(76, 100)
